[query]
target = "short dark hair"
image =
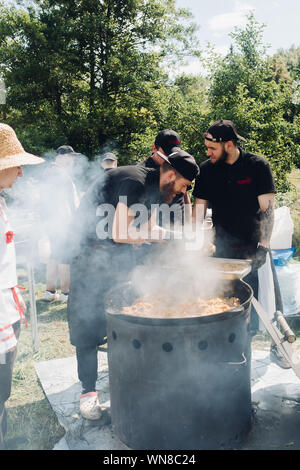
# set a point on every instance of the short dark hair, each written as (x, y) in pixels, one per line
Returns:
(234, 141)
(167, 167)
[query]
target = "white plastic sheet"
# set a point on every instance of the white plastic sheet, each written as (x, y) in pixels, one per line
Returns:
(282, 230)
(266, 292)
(289, 282)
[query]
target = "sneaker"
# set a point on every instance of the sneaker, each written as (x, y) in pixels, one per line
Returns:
(276, 357)
(49, 296)
(90, 406)
(253, 332)
(63, 297)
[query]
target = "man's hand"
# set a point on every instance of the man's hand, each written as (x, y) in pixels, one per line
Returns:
(260, 257)
(210, 250)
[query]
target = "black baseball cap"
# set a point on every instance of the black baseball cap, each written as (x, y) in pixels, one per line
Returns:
(222, 131)
(167, 140)
(109, 156)
(182, 162)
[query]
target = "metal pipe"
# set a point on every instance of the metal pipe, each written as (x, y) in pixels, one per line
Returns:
(33, 314)
(289, 335)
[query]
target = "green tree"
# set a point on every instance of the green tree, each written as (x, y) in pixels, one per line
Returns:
(291, 59)
(181, 106)
(87, 71)
(245, 90)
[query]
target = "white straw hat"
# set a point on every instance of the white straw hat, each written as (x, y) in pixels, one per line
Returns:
(11, 151)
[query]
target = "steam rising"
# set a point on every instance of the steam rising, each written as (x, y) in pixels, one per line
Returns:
(42, 204)
(177, 273)
(178, 269)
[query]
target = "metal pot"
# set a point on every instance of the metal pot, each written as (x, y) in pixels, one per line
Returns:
(180, 383)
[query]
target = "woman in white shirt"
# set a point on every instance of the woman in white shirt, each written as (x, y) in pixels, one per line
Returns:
(12, 307)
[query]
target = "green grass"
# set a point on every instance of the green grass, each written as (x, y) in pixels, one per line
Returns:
(294, 178)
(29, 412)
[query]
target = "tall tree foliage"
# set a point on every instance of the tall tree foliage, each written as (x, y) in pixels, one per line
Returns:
(86, 71)
(244, 89)
(94, 74)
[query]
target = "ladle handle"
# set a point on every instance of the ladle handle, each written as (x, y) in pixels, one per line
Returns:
(286, 330)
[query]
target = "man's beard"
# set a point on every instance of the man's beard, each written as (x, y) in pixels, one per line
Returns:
(167, 192)
(222, 158)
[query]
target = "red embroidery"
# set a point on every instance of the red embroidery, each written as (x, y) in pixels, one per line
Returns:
(246, 181)
(5, 327)
(9, 236)
(8, 337)
(18, 306)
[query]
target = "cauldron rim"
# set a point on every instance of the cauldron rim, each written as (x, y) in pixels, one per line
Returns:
(240, 310)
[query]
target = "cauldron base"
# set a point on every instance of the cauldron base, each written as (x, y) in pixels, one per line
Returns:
(197, 411)
(181, 384)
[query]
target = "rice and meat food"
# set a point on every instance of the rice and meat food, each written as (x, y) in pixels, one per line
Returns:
(162, 308)
(231, 267)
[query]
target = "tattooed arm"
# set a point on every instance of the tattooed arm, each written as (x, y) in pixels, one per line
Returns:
(266, 204)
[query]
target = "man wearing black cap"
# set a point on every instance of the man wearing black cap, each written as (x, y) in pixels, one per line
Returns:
(240, 189)
(104, 230)
(109, 160)
(166, 142)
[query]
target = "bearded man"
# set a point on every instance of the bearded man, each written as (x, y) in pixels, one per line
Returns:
(106, 228)
(240, 189)
(165, 143)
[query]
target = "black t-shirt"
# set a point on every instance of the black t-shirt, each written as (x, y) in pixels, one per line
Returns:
(177, 215)
(93, 220)
(233, 191)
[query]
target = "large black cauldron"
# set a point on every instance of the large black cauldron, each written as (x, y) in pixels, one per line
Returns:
(180, 383)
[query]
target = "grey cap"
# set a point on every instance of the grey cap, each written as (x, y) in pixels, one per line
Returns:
(64, 149)
(109, 156)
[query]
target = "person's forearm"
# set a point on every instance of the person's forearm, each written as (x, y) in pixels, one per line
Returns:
(125, 231)
(199, 212)
(187, 209)
(160, 234)
(266, 223)
(122, 231)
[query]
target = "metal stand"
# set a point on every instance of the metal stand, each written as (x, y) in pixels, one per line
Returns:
(23, 260)
(33, 313)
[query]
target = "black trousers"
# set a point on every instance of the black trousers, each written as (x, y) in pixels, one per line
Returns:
(87, 367)
(93, 274)
(6, 371)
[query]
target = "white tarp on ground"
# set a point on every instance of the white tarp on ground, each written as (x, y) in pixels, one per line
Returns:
(283, 229)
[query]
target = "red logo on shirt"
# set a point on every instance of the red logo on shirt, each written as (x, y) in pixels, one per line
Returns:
(9, 236)
(246, 181)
